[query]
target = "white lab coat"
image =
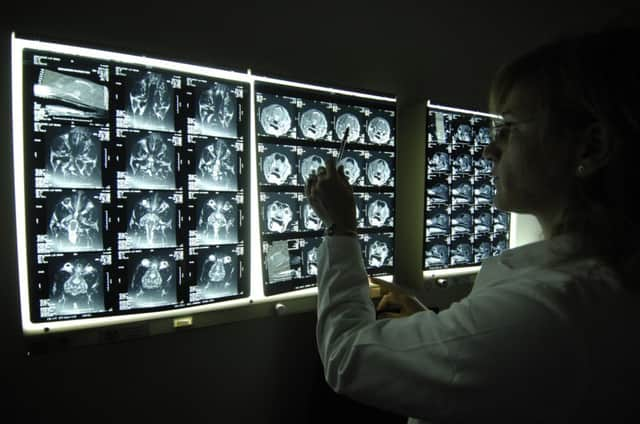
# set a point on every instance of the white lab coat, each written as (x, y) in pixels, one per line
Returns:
(540, 338)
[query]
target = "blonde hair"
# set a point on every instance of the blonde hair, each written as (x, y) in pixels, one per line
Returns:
(590, 80)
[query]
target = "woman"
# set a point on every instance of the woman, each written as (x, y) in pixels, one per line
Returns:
(547, 333)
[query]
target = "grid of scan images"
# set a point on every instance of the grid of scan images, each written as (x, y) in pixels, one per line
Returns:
(297, 130)
(461, 225)
(137, 187)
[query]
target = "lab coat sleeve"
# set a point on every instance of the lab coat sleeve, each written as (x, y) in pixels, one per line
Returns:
(497, 348)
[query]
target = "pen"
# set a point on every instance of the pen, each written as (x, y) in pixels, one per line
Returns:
(345, 138)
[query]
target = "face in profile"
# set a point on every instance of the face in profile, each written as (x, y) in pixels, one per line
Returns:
(532, 172)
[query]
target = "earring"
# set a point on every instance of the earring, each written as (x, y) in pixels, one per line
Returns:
(580, 170)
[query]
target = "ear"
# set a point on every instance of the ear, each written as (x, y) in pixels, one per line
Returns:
(594, 150)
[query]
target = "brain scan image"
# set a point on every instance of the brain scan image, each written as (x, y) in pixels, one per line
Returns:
(310, 256)
(461, 254)
(76, 286)
(348, 120)
(153, 282)
(483, 251)
(309, 164)
(463, 164)
(483, 166)
(217, 220)
(150, 102)
(75, 223)
(439, 162)
(72, 90)
(379, 130)
(351, 169)
(313, 124)
(462, 193)
(378, 213)
(378, 172)
(217, 106)
(438, 224)
(277, 168)
(501, 222)
(151, 222)
(217, 275)
(280, 215)
(484, 222)
(275, 120)
(151, 162)
(499, 247)
(483, 136)
(74, 159)
(461, 223)
(437, 255)
(484, 194)
(378, 252)
(438, 193)
(282, 264)
(462, 133)
(216, 166)
(310, 219)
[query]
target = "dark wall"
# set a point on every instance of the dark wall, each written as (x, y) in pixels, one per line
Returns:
(263, 370)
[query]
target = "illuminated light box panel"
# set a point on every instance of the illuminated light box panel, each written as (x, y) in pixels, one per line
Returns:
(131, 185)
(298, 127)
(461, 226)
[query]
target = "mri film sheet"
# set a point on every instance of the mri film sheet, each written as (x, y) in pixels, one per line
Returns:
(379, 209)
(353, 118)
(309, 252)
(381, 129)
(152, 278)
(280, 212)
(439, 159)
(483, 191)
(73, 156)
(436, 254)
(438, 127)
(481, 128)
(482, 220)
(147, 99)
(378, 250)
(310, 159)
(217, 219)
(74, 221)
(309, 219)
(461, 252)
(354, 166)
(150, 160)
(461, 130)
(213, 108)
(216, 164)
(75, 286)
(462, 219)
(217, 273)
(283, 260)
(438, 221)
(461, 190)
(150, 220)
(276, 115)
(315, 120)
(381, 169)
(68, 88)
(438, 189)
(481, 247)
(461, 159)
(277, 164)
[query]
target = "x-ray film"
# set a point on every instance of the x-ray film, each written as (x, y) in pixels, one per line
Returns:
(461, 190)
(381, 169)
(149, 99)
(438, 190)
(309, 252)
(381, 128)
(481, 130)
(352, 118)
(481, 247)
(461, 219)
(280, 212)
(461, 130)
(461, 160)
(277, 165)
(500, 222)
(438, 128)
(75, 286)
(73, 156)
(150, 220)
(379, 209)
(152, 280)
(483, 190)
(217, 219)
(217, 273)
(315, 120)
(283, 260)
(439, 160)
(74, 221)
(482, 220)
(438, 221)
(73, 91)
(378, 250)
(214, 108)
(149, 160)
(437, 253)
(461, 252)
(216, 165)
(276, 115)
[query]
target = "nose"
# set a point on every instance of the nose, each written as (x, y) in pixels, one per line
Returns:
(491, 152)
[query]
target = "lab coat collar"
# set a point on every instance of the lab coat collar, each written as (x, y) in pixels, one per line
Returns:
(538, 254)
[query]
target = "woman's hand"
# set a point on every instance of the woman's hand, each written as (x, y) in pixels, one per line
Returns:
(395, 304)
(331, 197)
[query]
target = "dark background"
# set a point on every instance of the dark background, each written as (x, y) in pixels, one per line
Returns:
(261, 370)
